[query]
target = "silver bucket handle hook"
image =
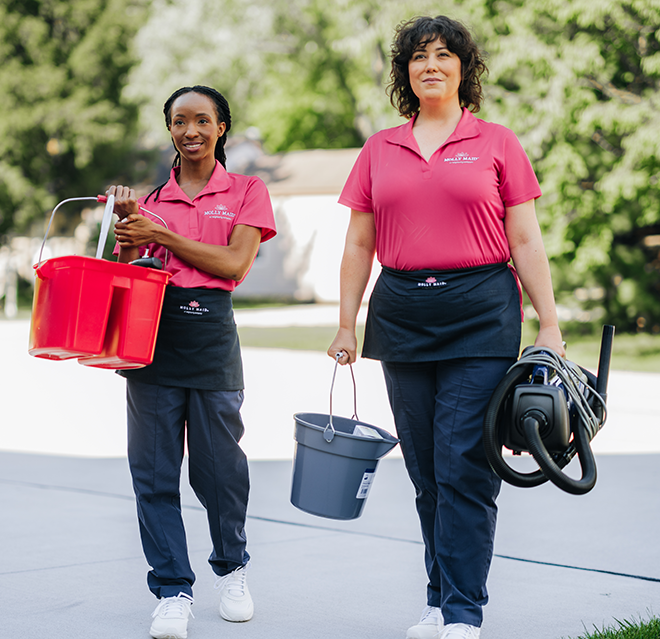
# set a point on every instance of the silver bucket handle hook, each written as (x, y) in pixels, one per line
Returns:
(329, 432)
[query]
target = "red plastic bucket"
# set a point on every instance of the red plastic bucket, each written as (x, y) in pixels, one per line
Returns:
(104, 313)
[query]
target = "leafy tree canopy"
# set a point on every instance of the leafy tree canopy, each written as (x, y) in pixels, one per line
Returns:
(66, 128)
(306, 73)
(579, 82)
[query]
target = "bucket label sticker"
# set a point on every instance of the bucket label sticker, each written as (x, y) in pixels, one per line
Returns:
(365, 484)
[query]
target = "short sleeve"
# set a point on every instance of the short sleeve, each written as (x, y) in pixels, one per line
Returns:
(257, 209)
(518, 182)
(357, 194)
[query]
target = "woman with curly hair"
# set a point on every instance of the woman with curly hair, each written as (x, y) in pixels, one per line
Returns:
(446, 202)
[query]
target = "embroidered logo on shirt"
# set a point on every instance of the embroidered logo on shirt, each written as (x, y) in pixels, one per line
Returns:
(431, 281)
(462, 158)
(194, 308)
(220, 212)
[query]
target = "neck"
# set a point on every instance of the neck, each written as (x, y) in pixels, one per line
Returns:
(196, 171)
(433, 127)
(439, 114)
(194, 176)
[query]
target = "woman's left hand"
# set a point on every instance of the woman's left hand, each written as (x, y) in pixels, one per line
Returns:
(135, 230)
(550, 337)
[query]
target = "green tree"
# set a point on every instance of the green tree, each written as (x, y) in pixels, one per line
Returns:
(306, 73)
(66, 128)
(579, 81)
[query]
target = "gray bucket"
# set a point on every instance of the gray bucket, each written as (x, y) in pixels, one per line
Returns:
(333, 468)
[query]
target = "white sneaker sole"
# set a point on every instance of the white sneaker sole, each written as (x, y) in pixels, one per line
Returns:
(236, 618)
(168, 635)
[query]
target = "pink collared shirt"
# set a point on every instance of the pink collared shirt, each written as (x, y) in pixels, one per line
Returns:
(446, 213)
(227, 200)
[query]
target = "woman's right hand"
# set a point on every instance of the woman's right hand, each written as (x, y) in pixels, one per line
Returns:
(345, 343)
(125, 200)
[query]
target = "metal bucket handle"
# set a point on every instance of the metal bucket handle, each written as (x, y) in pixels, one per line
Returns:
(107, 214)
(329, 432)
(103, 198)
(105, 224)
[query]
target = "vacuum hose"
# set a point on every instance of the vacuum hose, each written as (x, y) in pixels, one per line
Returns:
(524, 415)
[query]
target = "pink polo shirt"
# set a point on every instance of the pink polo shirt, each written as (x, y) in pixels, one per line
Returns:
(227, 200)
(446, 213)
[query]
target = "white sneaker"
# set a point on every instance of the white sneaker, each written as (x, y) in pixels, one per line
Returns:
(235, 601)
(429, 626)
(171, 617)
(460, 631)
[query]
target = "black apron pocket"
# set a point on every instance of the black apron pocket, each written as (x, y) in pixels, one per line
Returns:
(434, 315)
(197, 344)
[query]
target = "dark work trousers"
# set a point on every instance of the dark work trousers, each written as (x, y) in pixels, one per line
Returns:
(439, 410)
(159, 417)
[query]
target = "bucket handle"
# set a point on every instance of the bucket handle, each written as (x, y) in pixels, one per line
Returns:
(107, 214)
(103, 198)
(329, 432)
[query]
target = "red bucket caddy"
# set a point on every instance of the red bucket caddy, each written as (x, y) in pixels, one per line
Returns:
(103, 313)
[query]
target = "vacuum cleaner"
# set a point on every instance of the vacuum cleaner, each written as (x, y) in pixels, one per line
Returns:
(550, 408)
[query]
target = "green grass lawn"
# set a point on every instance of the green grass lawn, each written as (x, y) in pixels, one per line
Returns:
(639, 352)
(630, 352)
(627, 630)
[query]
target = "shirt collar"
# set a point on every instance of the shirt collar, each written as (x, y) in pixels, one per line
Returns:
(218, 182)
(468, 127)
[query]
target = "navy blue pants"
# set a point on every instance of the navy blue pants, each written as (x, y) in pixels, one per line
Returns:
(159, 418)
(439, 409)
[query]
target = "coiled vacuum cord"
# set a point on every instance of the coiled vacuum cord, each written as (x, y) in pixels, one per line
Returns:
(585, 394)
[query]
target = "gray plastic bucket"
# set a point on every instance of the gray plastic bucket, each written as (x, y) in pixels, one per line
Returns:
(333, 469)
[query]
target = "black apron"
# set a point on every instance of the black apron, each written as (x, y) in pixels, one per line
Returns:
(197, 344)
(424, 316)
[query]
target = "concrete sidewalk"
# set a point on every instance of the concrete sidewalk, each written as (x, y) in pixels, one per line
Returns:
(71, 563)
(72, 566)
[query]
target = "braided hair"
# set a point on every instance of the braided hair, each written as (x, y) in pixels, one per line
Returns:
(222, 112)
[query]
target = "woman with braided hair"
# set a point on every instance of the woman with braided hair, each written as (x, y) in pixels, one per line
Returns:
(193, 390)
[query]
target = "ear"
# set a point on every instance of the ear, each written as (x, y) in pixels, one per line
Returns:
(222, 127)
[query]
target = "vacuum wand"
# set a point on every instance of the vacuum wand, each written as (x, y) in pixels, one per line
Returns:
(604, 361)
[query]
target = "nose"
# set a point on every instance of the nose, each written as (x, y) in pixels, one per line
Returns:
(191, 130)
(431, 63)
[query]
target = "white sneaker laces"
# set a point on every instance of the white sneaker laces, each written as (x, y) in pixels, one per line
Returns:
(174, 607)
(234, 582)
(429, 611)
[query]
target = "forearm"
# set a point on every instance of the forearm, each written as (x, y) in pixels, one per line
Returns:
(531, 262)
(128, 254)
(355, 271)
(534, 271)
(228, 262)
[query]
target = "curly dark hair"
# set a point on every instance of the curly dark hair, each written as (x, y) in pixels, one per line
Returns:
(418, 32)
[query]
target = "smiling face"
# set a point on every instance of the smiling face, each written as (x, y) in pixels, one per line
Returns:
(435, 73)
(194, 127)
